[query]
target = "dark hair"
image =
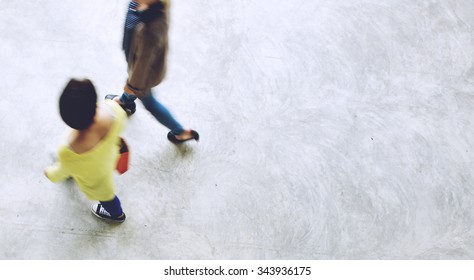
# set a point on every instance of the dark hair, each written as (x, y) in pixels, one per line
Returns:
(78, 103)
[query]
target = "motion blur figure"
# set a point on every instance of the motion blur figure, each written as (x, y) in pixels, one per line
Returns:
(90, 152)
(145, 43)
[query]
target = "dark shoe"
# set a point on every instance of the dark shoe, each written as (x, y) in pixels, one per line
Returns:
(130, 108)
(101, 213)
(172, 137)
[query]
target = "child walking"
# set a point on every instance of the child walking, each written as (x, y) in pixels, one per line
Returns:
(145, 43)
(91, 150)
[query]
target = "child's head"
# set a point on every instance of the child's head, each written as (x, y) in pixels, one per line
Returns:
(77, 104)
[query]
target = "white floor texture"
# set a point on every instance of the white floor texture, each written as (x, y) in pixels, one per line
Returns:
(330, 129)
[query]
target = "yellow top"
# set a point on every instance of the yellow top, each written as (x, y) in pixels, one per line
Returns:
(92, 170)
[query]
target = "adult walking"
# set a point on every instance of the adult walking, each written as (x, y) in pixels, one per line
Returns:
(145, 43)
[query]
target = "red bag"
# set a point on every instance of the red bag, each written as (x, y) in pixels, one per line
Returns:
(122, 163)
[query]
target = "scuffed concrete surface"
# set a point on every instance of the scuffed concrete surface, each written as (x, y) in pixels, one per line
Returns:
(329, 130)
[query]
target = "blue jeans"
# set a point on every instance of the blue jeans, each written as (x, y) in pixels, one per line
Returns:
(157, 109)
(161, 114)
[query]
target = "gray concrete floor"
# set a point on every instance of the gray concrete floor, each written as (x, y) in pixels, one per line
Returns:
(330, 129)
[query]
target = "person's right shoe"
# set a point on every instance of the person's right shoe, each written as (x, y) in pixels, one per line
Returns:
(172, 138)
(130, 108)
(101, 213)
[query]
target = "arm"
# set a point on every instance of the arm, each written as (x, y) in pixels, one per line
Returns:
(56, 173)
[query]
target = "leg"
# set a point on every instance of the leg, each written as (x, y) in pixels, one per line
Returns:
(126, 101)
(114, 207)
(126, 98)
(162, 114)
(109, 210)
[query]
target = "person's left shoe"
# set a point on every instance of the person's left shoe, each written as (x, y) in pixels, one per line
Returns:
(173, 139)
(101, 213)
(130, 108)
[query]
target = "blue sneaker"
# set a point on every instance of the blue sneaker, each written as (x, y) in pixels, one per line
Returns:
(101, 213)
